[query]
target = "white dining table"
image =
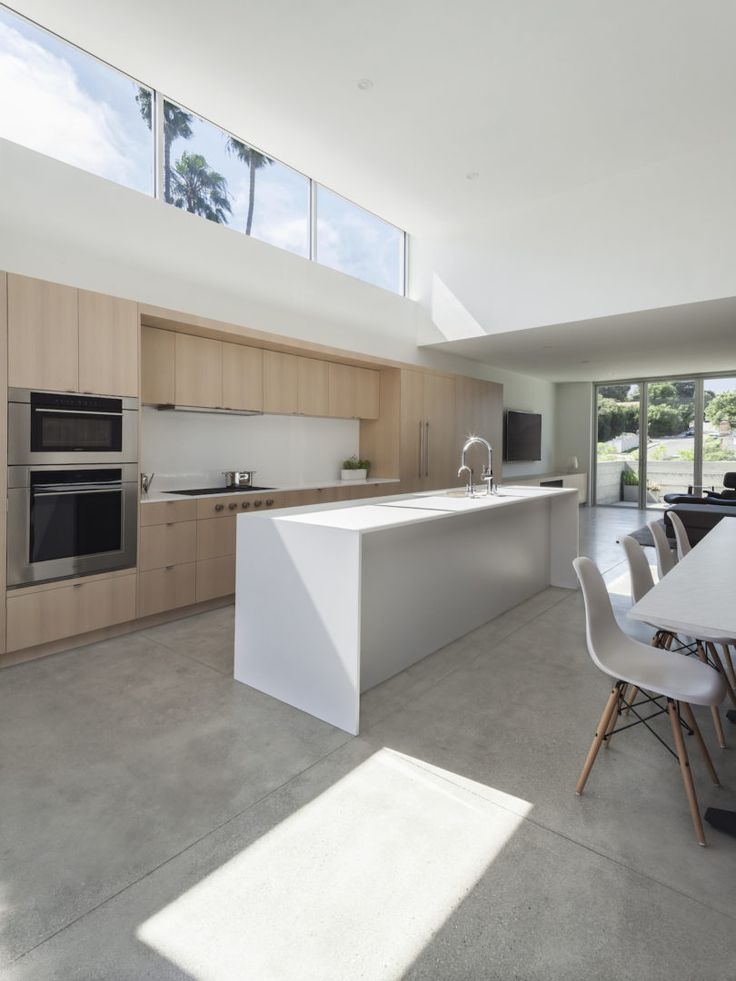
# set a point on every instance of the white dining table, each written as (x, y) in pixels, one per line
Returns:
(697, 598)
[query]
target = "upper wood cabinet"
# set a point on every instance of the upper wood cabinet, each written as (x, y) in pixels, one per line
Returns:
(280, 382)
(157, 366)
(312, 387)
(354, 392)
(108, 344)
(198, 371)
(242, 377)
(43, 335)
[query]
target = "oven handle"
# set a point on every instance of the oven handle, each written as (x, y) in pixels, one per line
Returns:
(72, 493)
(78, 412)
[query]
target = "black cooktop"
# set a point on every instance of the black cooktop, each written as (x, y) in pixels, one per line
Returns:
(220, 490)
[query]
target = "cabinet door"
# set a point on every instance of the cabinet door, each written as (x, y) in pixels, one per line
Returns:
(342, 391)
(216, 537)
(157, 366)
(412, 431)
(280, 383)
(166, 589)
(313, 397)
(169, 544)
(242, 377)
(215, 577)
(198, 371)
(108, 344)
(43, 335)
(366, 393)
(479, 412)
(441, 453)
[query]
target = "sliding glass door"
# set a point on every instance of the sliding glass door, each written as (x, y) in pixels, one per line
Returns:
(687, 445)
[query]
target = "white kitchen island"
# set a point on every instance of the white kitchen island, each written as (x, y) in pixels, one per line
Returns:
(334, 599)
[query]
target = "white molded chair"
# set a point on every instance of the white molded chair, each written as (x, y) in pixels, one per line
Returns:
(683, 542)
(666, 558)
(639, 571)
(682, 681)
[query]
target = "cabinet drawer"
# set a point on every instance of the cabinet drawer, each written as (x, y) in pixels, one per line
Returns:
(164, 512)
(165, 589)
(64, 611)
(215, 537)
(215, 577)
(170, 544)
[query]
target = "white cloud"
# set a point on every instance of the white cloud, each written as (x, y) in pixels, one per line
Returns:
(48, 111)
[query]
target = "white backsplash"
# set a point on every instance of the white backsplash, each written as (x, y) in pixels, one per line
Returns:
(284, 450)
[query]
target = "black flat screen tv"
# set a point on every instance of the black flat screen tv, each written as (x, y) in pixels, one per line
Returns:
(522, 436)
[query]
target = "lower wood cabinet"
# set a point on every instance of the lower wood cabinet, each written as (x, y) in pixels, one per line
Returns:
(166, 589)
(65, 610)
(215, 577)
(173, 543)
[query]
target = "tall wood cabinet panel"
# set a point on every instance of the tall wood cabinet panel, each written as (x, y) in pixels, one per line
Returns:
(108, 344)
(198, 371)
(428, 449)
(412, 430)
(280, 382)
(242, 377)
(3, 439)
(43, 335)
(479, 412)
(312, 384)
(157, 366)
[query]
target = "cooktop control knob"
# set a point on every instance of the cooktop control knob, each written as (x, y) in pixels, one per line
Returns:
(219, 507)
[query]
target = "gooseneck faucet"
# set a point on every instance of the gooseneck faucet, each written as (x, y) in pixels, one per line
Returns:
(486, 473)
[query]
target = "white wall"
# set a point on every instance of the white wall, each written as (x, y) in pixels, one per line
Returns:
(62, 224)
(573, 426)
(283, 450)
(656, 236)
(527, 394)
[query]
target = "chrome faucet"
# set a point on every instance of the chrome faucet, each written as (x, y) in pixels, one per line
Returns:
(146, 481)
(486, 473)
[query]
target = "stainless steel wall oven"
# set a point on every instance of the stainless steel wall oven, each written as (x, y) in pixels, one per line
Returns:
(72, 485)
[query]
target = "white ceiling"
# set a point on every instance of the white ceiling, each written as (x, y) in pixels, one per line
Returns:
(696, 337)
(538, 98)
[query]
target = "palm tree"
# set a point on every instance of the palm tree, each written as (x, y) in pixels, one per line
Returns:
(199, 189)
(177, 125)
(254, 161)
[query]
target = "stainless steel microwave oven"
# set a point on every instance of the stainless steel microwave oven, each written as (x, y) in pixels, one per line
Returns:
(49, 428)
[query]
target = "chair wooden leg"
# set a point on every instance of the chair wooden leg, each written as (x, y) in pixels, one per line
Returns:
(714, 708)
(687, 777)
(692, 722)
(600, 732)
(716, 658)
(633, 692)
(729, 665)
(615, 716)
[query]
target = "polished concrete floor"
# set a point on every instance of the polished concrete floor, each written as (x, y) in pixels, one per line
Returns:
(159, 820)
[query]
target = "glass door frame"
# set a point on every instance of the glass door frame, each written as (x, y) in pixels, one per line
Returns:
(643, 384)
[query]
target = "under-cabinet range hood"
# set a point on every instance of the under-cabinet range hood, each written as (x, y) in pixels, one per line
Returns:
(167, 407)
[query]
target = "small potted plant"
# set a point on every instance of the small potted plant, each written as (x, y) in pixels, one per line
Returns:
(630, 488)
(355, 469)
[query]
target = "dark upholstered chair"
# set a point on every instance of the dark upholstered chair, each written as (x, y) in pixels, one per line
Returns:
(698, 518)
(729, 489)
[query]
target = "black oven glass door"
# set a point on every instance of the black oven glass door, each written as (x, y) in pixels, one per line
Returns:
(75, 513)
(73, 423)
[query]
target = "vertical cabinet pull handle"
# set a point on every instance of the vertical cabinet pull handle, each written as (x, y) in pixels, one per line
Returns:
(426, 452)
(421, 449)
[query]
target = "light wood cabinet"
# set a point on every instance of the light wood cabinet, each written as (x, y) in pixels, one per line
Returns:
(41, 616)
(479, 412)
(166, 589)
(108, 344)
(169, 544)
(242, 377)
(354, 392)
(157, 366)
(428, 449)
(43, 335)
(280, 383)
(312, 387)
(198, 371)
(164, 512)
(215, 577)
(215, 537)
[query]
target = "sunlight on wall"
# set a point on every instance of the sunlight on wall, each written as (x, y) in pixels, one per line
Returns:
(450, 316)
(353, 884)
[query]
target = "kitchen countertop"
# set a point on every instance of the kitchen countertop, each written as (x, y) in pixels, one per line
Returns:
(157, 496)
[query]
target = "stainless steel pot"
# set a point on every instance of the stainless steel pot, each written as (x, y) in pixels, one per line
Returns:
(239, 478)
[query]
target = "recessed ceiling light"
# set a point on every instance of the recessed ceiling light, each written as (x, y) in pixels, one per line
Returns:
(472, 175)
(365, 83)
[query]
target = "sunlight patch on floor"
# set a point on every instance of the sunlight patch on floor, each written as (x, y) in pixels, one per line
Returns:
(353, 884)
